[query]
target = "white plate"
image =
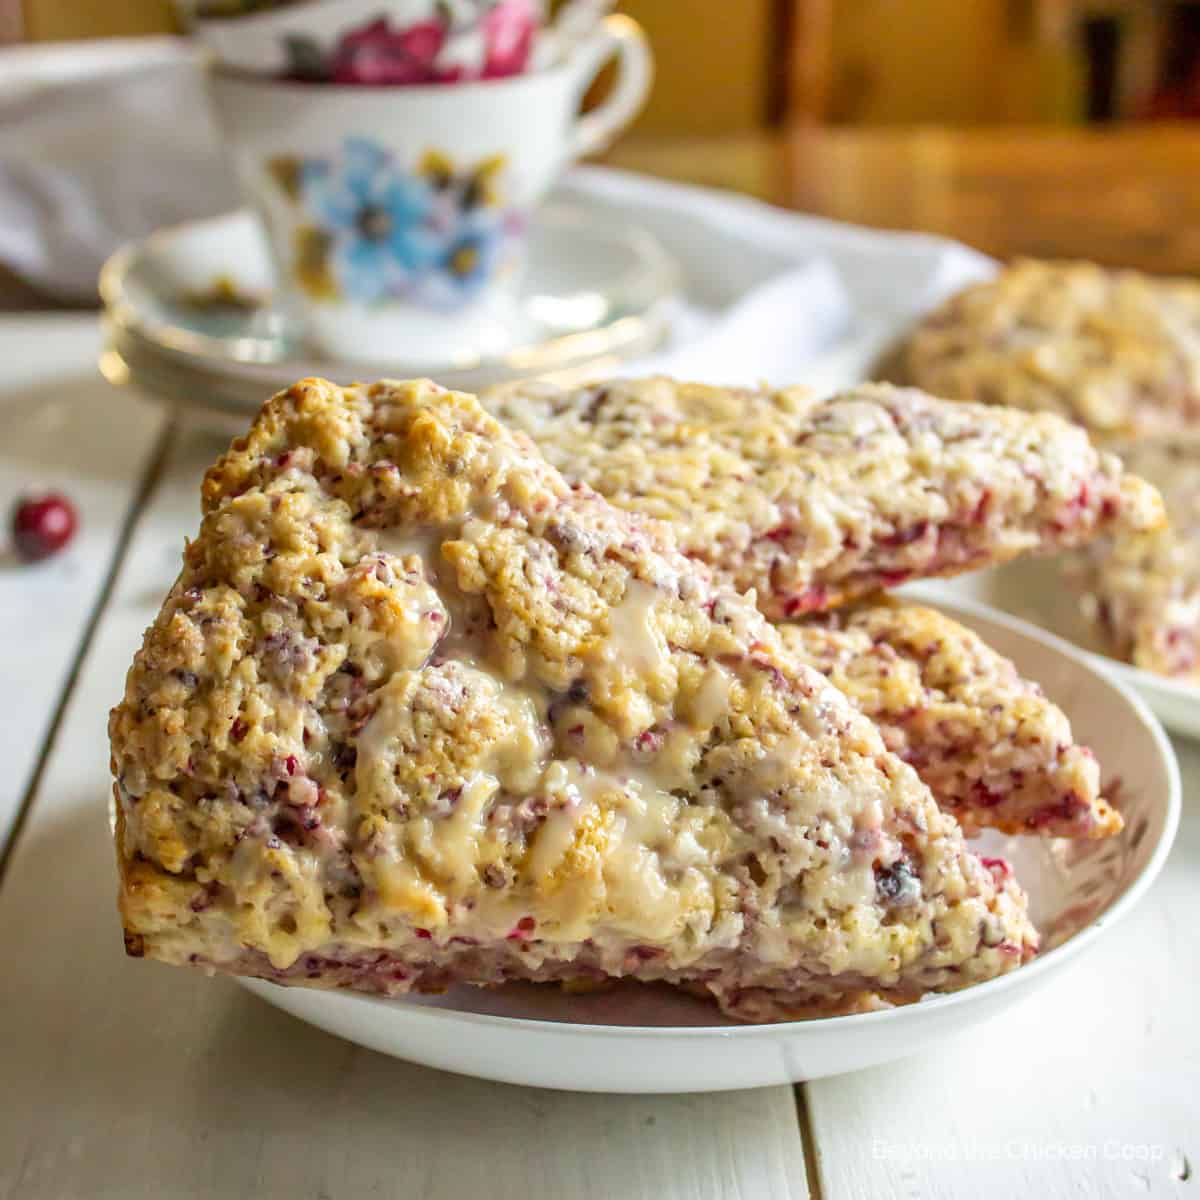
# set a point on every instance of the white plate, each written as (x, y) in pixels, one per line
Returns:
(1033, 589)
(654, 1040)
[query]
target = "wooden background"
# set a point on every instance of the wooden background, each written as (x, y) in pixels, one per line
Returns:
(735, 65)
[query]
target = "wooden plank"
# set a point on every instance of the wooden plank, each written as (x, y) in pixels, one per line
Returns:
(1090, 1088)
(704, 84)
(133, 1079)
(63, 428)
(1007, 190)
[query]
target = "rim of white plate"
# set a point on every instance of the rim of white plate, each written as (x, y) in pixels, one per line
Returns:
(1136, 676)
(934, 1003)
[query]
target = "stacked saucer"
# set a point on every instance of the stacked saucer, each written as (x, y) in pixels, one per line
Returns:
(190, 319)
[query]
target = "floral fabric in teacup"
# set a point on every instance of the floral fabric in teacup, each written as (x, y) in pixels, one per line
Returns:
(481, 39)
(370, 229)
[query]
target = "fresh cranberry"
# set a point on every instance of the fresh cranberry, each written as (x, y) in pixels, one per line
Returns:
(43, 525)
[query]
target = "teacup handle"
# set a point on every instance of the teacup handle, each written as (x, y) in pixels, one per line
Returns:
(623, 38)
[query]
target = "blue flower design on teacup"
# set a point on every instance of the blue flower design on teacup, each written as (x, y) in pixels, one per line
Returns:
(466, 263)
(371, 230)
(377, 219)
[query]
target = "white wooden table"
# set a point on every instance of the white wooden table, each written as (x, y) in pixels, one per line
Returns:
(127, 1079)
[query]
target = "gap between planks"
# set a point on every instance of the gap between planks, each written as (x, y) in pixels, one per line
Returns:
(808, 1143)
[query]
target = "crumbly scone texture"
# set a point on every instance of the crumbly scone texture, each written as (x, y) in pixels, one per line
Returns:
(992, 748)
(1116, 351)
(813, 502)
(1143, 591)
(419, 712)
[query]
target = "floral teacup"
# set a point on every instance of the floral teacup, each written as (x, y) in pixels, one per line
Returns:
(371, 42)
(397, 217)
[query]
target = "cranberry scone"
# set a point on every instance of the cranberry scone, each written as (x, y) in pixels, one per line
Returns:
(813, 502)
(1116, 351)
(1143, 591)
(418, 712)
(993, 749)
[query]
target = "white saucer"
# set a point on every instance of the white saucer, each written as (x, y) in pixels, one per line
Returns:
(594, 293)
(651, 1040)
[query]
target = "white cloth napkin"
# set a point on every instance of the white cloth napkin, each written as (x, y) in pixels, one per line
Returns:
(894, 274)
(784, 297)
(765, 337)
(100, 144)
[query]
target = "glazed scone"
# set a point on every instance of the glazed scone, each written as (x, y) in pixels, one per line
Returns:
(993, 750)
(1116, 351)
(814, 502)
(1143, 591)
(417, 712)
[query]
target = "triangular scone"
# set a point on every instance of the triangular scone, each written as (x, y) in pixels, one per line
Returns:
(418, 712)
(993, 750)
(815, 502)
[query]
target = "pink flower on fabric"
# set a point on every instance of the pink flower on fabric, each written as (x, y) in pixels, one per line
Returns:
(508, 30)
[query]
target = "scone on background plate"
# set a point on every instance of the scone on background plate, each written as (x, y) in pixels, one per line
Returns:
(812, 502)
(418, 712)
(1143, 591)
(1116, 351)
